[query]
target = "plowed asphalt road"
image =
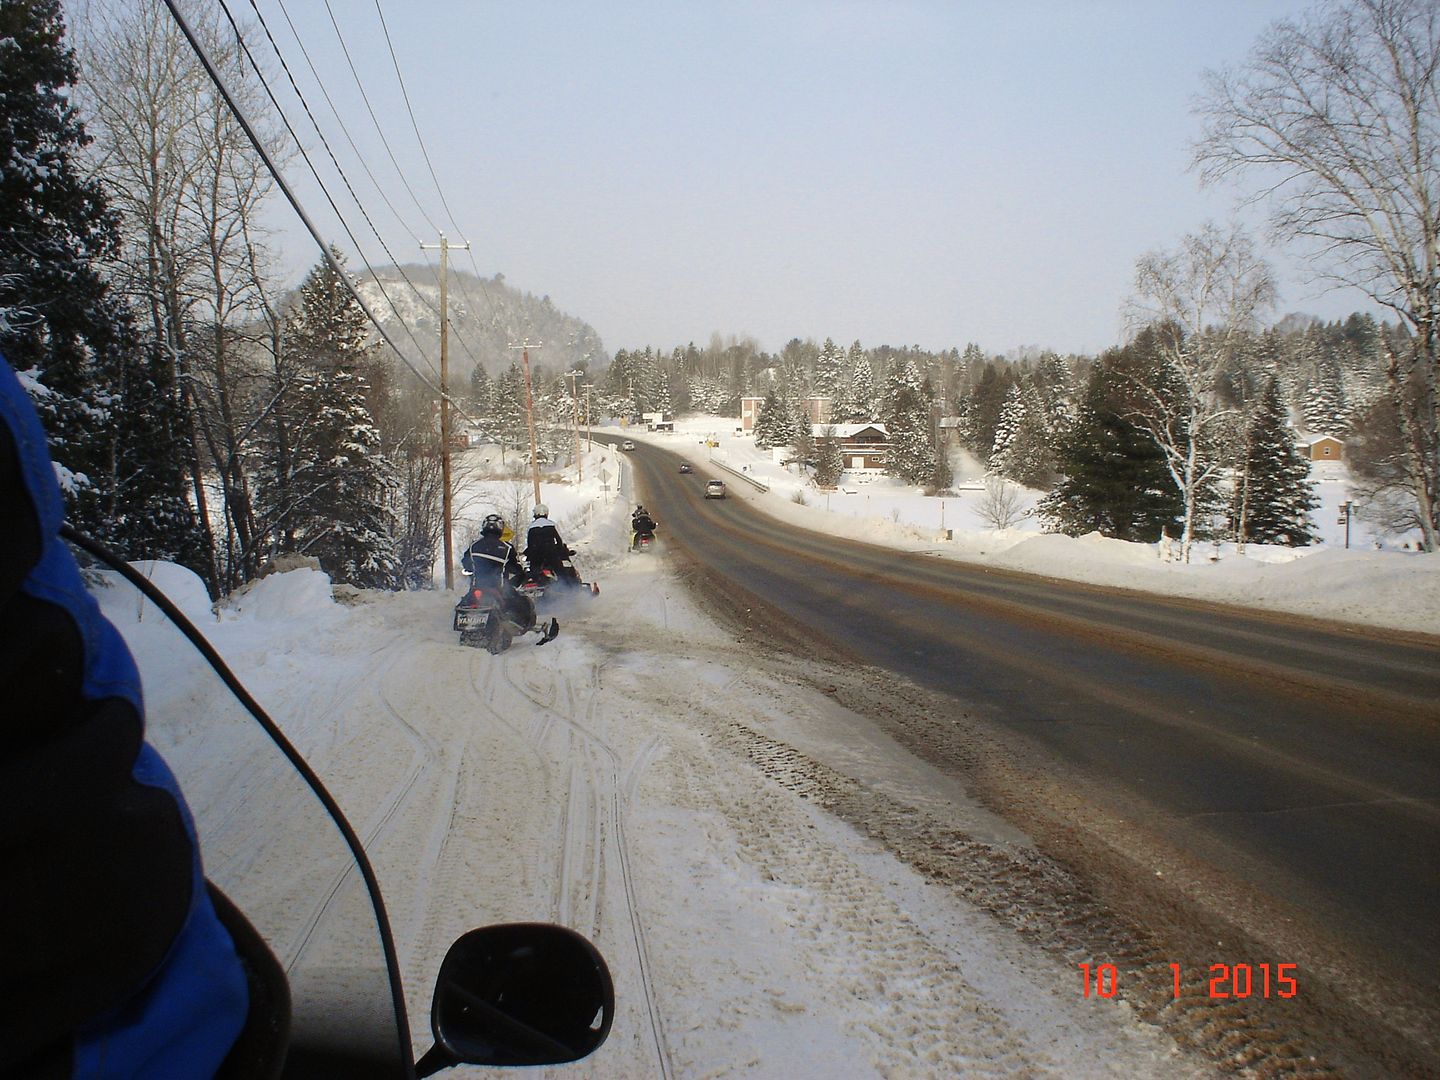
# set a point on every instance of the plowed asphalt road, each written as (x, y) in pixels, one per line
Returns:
(1303, 757)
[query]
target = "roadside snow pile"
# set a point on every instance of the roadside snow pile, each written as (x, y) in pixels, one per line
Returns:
(281, 597)
(124, 604)
(1071, 556)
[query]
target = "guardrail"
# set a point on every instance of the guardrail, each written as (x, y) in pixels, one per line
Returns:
(756, 484)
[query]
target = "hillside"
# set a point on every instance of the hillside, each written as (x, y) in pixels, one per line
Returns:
(487, 316)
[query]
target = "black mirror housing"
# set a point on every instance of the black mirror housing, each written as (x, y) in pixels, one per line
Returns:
(519, 994)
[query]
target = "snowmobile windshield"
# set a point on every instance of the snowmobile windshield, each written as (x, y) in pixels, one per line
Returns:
(267, 841)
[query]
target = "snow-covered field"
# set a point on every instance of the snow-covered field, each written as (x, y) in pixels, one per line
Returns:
(631, 780)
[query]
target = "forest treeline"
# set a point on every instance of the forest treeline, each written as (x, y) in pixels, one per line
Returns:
(1079, 427)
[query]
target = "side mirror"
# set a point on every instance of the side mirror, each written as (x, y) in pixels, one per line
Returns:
(519, 994)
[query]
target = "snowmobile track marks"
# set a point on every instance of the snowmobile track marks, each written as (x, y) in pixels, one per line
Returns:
(594, 799)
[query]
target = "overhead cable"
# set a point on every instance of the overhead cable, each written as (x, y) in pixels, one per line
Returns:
(264, 154)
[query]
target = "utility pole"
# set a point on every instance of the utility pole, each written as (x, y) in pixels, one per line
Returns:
(445, 247)
(589, 434)
(525, 348)
(575, 423)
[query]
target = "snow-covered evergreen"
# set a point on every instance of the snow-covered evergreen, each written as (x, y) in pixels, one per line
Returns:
(906, 412)
(335, 502)
(1115, 478)
(1273, 495)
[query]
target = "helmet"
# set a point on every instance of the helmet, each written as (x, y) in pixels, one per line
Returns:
(493, 525)
(541, 510)
(639, 510)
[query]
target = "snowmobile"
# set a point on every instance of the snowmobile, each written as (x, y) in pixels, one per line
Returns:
(506, 995)
(494, 617)
(644, 541)
(543, 581)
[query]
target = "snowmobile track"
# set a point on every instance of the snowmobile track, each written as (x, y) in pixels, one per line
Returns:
(600, 761)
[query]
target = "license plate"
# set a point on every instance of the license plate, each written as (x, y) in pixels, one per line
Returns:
(470, 620)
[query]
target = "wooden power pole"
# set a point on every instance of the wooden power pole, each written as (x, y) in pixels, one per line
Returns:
(445, 247)
(530, 418)
(575, 423)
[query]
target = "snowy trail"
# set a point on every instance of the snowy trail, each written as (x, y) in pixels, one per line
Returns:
(630, 780)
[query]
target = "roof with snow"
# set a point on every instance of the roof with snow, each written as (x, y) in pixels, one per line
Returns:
(848, 431)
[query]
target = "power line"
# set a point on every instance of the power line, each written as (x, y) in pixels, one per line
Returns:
(248, 128)
(240, 39)
(305, 104)
(375, 120)
(414, 124)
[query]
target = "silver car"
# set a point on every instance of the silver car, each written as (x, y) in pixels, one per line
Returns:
(715, 489)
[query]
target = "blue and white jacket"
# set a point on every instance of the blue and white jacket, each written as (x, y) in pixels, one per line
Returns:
(115, 964)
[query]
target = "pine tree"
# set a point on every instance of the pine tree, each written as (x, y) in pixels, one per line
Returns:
(770, 422)
(107, 404)
(1114, 477)
(829, 463)
(1324, 405)
(829, 377)
(508, 407)
(858, 401)
(1273, 494)
(1007, 430)
(336, 502)
(481, 389)
(1024, 438)
(907, 420)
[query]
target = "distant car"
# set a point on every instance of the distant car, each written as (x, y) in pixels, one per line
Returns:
(685, 466)
(627, 445)
(715, 489)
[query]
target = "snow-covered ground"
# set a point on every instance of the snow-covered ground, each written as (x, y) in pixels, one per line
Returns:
(1376, 581)
(621, 780)
(640, 780)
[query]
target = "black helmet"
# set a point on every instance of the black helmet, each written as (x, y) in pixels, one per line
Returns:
(493, 525)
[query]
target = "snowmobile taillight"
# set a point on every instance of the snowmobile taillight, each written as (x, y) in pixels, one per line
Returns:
(476, 595)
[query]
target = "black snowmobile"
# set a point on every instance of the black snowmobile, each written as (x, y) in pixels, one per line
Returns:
(557, 583)
(493, 613)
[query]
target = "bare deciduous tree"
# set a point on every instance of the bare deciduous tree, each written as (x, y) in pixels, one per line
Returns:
(188, 188)
(1338, 116)
(1202, 299)
(1000, 505)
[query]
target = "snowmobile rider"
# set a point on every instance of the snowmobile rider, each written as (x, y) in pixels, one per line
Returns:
(118, 959)
(491, 563)
(641, 524)
(491, 557)
(544, 550)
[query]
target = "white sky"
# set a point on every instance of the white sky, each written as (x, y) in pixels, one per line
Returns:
(900, 173)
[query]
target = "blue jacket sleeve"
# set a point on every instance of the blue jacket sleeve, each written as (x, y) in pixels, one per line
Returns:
(115, 962)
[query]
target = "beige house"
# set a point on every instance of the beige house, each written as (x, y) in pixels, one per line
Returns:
(1322, 448)
(749, 410)
(816, 408)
